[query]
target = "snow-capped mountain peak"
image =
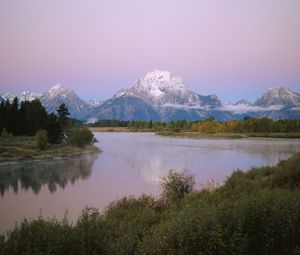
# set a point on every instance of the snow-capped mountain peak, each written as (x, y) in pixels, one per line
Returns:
(279, 96)
(158, 82)
(57, 95)
(29, 95)
(160, 87)
(56, 90)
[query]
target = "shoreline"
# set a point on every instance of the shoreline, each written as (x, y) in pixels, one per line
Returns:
(197, 135)
(23, 149)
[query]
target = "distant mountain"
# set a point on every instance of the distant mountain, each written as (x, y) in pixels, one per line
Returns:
(58, 95)
(27, 95)
(279, 96)
(95, 102)
(8, 96)
(159, 88)
(161, 96)
(243, 102)
(125, 108)
(166, 97)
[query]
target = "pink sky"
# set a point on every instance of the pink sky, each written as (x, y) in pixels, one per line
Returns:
(235, 49)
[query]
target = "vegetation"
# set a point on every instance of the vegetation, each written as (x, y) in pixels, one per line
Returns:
(41, 139)
(24, 148)
(81, 137)
(175, 185)
(254, 212)
(55, 135)
(248, 127)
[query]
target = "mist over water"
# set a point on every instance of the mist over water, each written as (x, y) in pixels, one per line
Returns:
(130, 164)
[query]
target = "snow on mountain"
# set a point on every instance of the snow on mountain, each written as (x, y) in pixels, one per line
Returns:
(28, 95)
(8, 96)
(95, 102)
(159, 87)
(58, 95)
(279, 96)
(161, 96)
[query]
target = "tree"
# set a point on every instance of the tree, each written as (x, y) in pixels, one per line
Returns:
(63, 121)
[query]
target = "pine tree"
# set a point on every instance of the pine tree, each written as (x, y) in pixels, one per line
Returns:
(63, 121)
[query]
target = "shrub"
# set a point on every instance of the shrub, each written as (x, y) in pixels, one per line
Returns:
(81, 137)
(176, 184)
(6, 136)
(41, 139)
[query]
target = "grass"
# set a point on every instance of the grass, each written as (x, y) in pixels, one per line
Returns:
(253, 212)
(24, 148)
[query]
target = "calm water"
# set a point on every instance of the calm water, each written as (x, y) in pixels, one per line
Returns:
(130, 164)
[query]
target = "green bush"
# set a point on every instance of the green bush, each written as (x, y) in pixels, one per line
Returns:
(175, 185)
(81, 137)
(41, 139)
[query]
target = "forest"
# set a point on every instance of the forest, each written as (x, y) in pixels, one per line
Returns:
(28, 131)
(27, 118)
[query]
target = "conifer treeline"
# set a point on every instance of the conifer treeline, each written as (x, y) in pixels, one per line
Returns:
(26, 118)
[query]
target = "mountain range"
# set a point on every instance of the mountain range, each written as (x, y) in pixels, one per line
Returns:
(161, 96)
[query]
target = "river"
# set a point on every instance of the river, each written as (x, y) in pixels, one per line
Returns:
(130, 164)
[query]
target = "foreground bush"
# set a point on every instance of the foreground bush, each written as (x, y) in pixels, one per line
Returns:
(257, 212)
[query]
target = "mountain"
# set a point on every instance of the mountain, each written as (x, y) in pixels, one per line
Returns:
(279, 96)
(243, 102)
(58, 95)
(158, 96)
(27, 95)
(159, 88)
(95, 102)
(161, 96)
(164, 96)
(8, 96)
(125, 108)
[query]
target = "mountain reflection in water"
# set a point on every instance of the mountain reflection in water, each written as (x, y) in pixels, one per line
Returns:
(53, 173)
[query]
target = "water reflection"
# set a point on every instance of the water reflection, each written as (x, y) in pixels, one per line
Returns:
(53, 173)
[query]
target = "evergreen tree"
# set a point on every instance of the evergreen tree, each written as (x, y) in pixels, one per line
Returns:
(63, 121)
(53, 129)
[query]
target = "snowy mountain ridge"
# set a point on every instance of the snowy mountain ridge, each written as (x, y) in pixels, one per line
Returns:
(161, 96)
(159, 87)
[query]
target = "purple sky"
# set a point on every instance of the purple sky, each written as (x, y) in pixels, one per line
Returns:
(235, 49)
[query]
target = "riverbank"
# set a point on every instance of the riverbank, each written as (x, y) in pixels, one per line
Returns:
(22, 148)
(194, 134)
(121, 129)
